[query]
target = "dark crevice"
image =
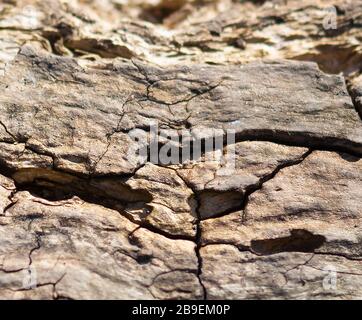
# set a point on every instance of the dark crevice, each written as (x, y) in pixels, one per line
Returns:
(194, 149)
(199, 147)
(7, 131)
(4, 171)
(55, 295)
(25, 30)
(258, 186)
(89, 190)
(298, 241)
(202, 146)
(57, 193)
(168, 272)
(12, 201)
(198, 239)
(158, 13)
(197, 92)
(301, 241)
(11, 271)
(253, 188)
(38, 236)
(298, 139)
(356, 98)
(335, 254)
(215, 203)
(136, 256)
(198, 248)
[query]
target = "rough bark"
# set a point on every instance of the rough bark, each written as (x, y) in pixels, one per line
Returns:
(82, 218)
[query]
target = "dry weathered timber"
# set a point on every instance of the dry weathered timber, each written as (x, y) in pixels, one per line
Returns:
(88, 212)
